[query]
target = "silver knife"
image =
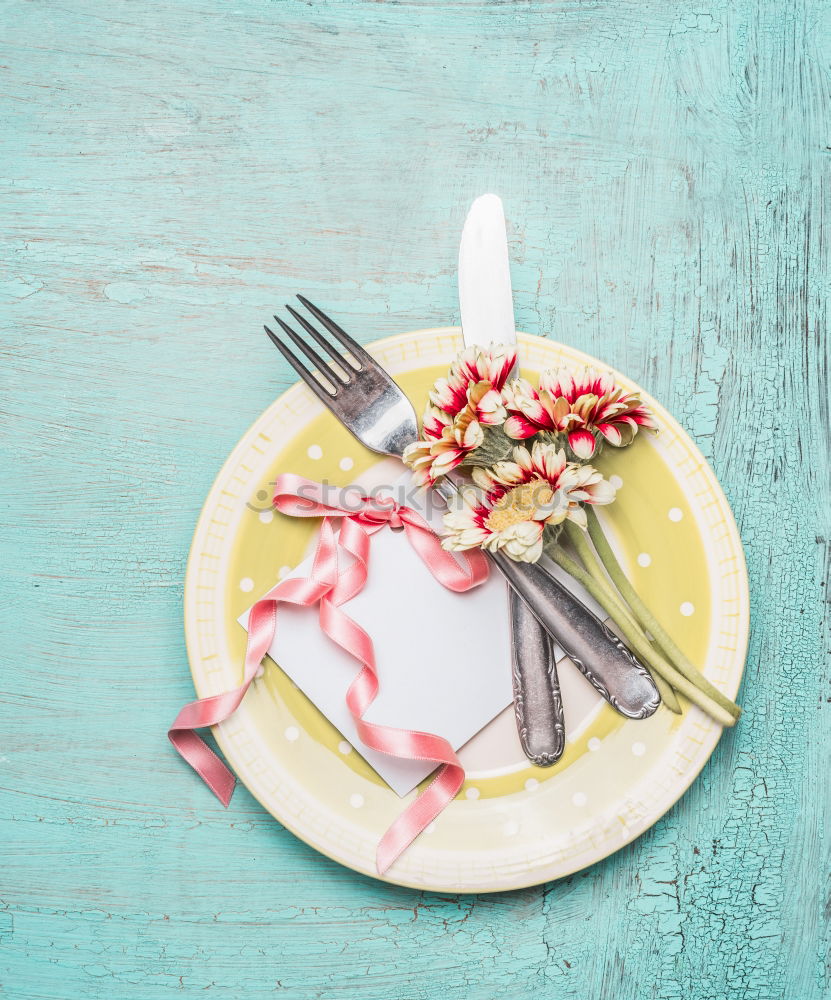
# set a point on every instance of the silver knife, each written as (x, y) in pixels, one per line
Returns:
(486, 303)
(487, 311)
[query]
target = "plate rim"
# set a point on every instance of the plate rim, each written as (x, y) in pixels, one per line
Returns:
(689, 778)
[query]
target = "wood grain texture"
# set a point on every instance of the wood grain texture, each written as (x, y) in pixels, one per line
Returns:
(172, 173)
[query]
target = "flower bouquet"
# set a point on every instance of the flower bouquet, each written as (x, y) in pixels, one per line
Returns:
(529, 490)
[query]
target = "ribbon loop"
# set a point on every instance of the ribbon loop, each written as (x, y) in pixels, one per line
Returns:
(329, 586)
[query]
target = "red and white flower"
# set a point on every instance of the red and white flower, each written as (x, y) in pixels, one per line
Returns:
(472, 367)
(583, 407)
(447, 439)
(493, 364)
(433, 422)
(469, 399)
(520, 497)
(452, 396)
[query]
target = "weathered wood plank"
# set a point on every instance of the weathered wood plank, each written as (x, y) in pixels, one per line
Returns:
(172, 174)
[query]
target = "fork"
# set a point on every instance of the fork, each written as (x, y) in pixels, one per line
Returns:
(363, 396)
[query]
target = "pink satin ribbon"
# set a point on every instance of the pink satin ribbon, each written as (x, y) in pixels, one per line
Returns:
(329, 586)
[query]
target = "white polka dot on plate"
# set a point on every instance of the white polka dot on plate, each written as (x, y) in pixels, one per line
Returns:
(687, 609)
(246, 584)
(346, 463)
(315, 451)
(579, 798)
(356, 800)
(616, 482)
(266, 516)
(638, 748)
(344, 747)
(594, 744)
(675, 513)
(644, 559)
(531, 784)
(472, 793)
(511, 828)
(292, 734)
(283, 571)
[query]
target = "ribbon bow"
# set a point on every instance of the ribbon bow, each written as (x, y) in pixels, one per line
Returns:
(331, 585)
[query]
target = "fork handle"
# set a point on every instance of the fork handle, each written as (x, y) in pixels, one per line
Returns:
(538, 703)
(595, 650)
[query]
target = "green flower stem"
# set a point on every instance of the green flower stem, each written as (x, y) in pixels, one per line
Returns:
(648, 621)
(644, 650)
(616, 608)
(593, 566)
(667, 693)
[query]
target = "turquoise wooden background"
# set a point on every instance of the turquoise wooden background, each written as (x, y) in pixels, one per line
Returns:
(172, 173)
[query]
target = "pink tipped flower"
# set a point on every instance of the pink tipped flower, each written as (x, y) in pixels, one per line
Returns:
(583, 407)
(433, 422)
(486, 364)
(469, 399)
(521, 497)
(450, 394)
(486, 401)
(474, 366)
(447, 440)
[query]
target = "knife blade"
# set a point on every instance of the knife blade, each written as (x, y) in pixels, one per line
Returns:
(487, 312)
(485, 295)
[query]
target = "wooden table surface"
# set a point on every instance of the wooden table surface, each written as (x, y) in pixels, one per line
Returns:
(172, 173)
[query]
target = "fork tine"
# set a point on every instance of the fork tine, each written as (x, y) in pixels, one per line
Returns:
(351, 345)
(314, 384)
(322, 365)
(334, 353)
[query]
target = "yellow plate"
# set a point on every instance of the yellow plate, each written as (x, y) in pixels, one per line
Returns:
(512, 824)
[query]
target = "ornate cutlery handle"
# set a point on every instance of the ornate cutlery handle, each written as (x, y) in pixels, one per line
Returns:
(596, 651)
(538, 703)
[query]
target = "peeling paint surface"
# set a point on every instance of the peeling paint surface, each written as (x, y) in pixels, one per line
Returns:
(172, 174)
